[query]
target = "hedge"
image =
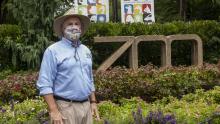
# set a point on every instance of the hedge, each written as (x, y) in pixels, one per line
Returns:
(209, 31)
(149, 83)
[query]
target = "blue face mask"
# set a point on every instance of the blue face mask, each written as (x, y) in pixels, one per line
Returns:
(71, 33)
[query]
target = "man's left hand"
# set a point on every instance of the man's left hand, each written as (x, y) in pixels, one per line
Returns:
(94, 110)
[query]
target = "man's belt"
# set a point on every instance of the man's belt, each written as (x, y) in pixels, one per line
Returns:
(68, 100)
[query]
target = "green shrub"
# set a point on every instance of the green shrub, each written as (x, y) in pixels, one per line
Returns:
(7, 30)
(149, 82)
(18, 86)
(5, 73)
(9, 34)
(29, 111)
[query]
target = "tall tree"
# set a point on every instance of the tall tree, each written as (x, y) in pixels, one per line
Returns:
(36, 19)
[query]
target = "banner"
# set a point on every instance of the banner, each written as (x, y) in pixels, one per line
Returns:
(96, 10)
(137, 11)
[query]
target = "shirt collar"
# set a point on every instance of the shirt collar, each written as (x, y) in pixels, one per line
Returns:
(74, 44)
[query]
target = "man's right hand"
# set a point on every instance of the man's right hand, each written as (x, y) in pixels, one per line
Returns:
(56, 117)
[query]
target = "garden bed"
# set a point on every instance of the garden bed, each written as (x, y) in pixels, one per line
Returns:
(193, 108)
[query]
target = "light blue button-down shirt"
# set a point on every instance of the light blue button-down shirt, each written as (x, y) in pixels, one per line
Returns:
(66, 71)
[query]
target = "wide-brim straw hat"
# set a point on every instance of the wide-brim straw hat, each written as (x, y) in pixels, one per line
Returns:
(58, 22)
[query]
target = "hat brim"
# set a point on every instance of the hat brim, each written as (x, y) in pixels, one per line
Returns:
(58, 22)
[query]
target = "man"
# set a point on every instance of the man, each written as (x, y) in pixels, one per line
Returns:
(65, 79)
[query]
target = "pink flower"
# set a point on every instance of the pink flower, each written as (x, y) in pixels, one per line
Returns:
(17, 87)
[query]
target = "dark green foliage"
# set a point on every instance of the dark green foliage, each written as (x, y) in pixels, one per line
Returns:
(7, 30)
(167, 10)
(170, 10)
(4, 74)
(203, 9)
(36, 19)
(8, 33)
